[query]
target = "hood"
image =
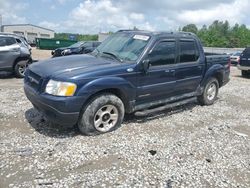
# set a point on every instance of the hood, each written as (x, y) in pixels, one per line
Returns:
(70, 65)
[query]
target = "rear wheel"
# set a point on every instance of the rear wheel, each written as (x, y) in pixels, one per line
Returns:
(210, 92)
(20, 69)
(103, 114)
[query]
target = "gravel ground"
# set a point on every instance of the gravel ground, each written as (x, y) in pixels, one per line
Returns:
(188, 146)
(38, 54)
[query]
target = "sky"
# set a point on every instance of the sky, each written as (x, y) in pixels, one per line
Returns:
(94, 16)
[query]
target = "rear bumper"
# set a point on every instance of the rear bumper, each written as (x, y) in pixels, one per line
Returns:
(246, 68)
(60, 110)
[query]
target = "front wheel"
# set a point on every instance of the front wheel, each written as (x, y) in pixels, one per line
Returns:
(102, 114)
(210, 92)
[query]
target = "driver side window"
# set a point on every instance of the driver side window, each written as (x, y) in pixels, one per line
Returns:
(164, 53)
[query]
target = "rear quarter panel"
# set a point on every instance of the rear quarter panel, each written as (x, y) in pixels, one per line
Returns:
(217, 65)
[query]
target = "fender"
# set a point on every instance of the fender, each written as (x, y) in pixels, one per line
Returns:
(127, 89)
(213, 71)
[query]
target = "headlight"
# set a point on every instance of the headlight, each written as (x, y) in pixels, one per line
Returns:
(60, 88)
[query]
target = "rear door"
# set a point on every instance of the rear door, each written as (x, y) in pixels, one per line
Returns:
(189, 67)
(159, 82)
(9, 51)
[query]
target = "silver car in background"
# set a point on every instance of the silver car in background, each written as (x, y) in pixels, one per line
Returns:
(15, 54)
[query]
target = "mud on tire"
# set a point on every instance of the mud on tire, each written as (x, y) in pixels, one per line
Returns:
(210, 92)
(105, 110)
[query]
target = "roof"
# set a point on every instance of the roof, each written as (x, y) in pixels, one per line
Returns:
(28, 25)
(11, 35)
(158, 33)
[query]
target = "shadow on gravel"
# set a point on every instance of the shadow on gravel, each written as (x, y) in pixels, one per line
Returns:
(41, 125)
(129, 118)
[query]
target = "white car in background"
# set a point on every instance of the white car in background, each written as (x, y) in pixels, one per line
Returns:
(235, 58)
(15, 54)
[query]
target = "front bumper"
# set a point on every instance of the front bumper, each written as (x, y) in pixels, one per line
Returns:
(246, 68)
(60, 110)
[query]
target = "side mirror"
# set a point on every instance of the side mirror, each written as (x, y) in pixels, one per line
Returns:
(145, 66)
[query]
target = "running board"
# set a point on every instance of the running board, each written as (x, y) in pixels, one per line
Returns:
(167, 106)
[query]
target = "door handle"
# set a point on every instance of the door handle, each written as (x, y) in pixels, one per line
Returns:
(169, 71)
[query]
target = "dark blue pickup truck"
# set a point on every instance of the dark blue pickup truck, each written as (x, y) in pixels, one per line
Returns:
(131, 71)
(244, 64)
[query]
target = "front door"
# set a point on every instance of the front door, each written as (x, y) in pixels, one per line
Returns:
(9, 51)
(159, 82)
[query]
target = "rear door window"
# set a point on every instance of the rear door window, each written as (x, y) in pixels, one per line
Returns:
(2, 41)
(7, 41)
(188, 51)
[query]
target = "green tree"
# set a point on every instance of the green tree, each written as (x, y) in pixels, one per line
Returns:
(190, 28)
(221, 34)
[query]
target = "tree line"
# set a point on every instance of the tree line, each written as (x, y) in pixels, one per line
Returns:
(218, 34)
(221, 34)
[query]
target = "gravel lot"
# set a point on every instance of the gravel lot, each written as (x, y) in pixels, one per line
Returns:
(189, 146)
(40, 54)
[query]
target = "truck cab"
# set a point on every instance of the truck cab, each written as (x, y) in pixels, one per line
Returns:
(130, 72)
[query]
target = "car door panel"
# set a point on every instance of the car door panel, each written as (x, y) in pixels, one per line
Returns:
(8, 54)
(159, 81)
(156, 84)
(188, 77)
(190, 68)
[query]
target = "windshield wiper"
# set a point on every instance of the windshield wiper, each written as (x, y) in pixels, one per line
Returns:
(114, 56)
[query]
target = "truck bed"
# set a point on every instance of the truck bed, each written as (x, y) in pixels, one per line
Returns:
(217, 59)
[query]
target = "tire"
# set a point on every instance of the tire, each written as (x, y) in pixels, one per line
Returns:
(210, 92)
(244, 73)
(20, 69)
(104, 113)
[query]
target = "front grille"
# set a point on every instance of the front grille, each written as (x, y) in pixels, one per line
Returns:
(33, 80)
(58, 52)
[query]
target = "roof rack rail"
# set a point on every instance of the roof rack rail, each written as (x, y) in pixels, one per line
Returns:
(121, 30)
(189, 33)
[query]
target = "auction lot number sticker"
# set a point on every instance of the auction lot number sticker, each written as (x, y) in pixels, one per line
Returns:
(141, 37)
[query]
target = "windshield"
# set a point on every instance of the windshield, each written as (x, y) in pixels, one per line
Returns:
(76, 45)
(123, 46)
(237, 54)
